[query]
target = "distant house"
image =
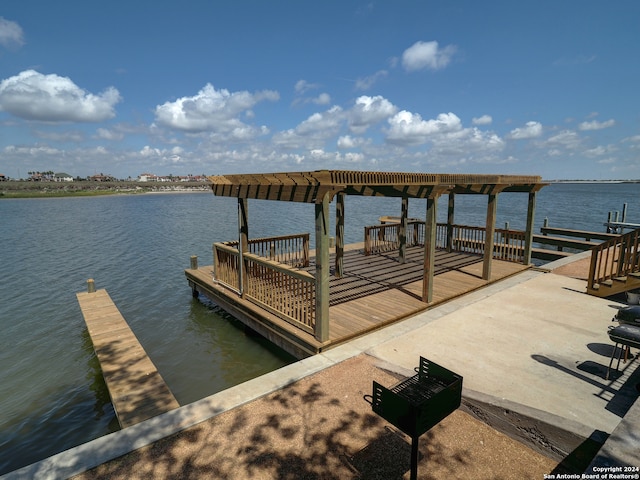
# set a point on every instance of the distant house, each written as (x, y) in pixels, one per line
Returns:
(62, 177)
(148, 177)
(102, 178)
(3, 177)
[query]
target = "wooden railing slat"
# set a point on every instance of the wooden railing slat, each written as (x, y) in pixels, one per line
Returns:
(617, 257)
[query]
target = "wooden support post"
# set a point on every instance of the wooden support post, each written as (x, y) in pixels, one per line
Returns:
(451, 209)
(402, 233)
(339, 267)
(322, 270)
(528, 236)
(489, 234)
(194, 262)
(429, 249)
(215, 260)
(243, 241)
(91, 286)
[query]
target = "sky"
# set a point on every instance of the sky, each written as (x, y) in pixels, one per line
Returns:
(545, 88)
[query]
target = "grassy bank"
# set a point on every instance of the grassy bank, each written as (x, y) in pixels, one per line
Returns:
(22, 189)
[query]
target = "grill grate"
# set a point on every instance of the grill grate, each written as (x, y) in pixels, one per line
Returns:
(418, 390)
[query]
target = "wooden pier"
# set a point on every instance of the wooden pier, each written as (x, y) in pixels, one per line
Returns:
(135, 386)
(566, 241)
(305, 306)
(373, 292)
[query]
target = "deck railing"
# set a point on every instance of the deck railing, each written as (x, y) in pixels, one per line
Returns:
(386, 237)
(225, 265)
(508, 245)
(284, 291)
(615, 258)
(292, 250)
(277, 287)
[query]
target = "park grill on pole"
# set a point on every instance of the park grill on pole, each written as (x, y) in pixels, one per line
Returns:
(418, 403)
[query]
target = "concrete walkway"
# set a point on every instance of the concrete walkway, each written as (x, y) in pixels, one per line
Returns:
(533, 351)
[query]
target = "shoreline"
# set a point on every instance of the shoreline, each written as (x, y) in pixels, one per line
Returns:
(18, 190)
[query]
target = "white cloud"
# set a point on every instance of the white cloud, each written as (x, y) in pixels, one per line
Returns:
(106, 134)
(347, 141)
(578, 60)
(302, 86)
(51, 98)
(312, 132)
(322, 122)
(483, 120)
(33, 151)
(366, 83)
(566, 139)
(423, 55)
(530, 130)
(410, 129)
(446, 142)
(11, 35)
(607, 161)
(595, 125)
(322, 99)
(368, 111)
(67, 136)
(210, 110)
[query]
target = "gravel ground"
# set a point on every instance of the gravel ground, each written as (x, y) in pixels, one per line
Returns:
(322, 428)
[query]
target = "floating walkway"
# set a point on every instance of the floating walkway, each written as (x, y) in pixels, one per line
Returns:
(137, 389)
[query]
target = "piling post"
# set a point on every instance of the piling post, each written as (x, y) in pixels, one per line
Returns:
(91, 286)
(194, 262)
(489, 235)
(339, 240)
(321, 328)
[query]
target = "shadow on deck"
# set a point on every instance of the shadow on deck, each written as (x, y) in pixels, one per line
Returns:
(374, 291)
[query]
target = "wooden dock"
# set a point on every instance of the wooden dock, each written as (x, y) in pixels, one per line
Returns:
(374, 291)
(137, 389)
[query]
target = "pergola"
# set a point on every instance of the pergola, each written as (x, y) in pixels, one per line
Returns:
(321, 187)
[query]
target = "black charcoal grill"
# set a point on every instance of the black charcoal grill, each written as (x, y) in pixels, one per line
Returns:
(418, 403)
(626, 335)
(628, 315)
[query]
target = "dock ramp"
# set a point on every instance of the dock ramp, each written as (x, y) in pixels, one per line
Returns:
(137, 390)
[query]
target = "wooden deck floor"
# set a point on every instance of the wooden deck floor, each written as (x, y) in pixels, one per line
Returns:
(137, 390)
(374, 291)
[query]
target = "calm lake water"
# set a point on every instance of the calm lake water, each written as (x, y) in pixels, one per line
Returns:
(52, 395)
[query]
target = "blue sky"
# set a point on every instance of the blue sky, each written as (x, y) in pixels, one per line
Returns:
(546, 88)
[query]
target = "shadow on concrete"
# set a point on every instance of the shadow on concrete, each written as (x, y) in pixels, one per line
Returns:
(580, 458)
(604, 349)
(621, 397)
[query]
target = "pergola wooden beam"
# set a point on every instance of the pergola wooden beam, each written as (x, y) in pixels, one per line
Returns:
(311, 187)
